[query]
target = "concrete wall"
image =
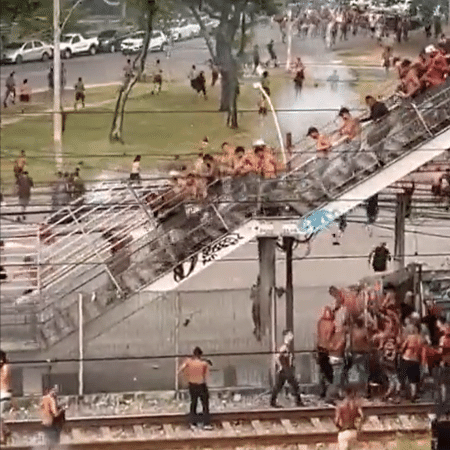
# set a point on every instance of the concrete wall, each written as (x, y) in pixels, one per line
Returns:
(219, 322)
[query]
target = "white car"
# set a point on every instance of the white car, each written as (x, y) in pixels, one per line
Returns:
(133, 44)
(75, 44)
(18, 52)
(186, 30)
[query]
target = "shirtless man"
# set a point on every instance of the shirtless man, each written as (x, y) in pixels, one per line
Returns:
(266, 165)
(350, 128)
(325, 331)
(226, 159)
(411, 358)
(348, 419)
(410, 84)
(285, 371)
(244, 163)
(337, 361)
(360, 348)
(323, 143)
(52, 418)
(196, 371)
(5, 394)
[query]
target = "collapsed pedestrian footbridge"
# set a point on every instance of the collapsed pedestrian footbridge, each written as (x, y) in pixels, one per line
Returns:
(135, 240)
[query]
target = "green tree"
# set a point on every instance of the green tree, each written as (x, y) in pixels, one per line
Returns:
(225, 51)
(148, 9)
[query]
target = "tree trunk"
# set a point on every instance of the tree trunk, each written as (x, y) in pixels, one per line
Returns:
(116, 133)
(243, 36)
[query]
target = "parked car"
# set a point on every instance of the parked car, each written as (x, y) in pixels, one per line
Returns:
(76, 44)
(110, 40)
(18, 52)
(133, 44)
(185, 30)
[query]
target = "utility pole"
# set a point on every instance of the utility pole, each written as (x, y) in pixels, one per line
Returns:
(289, 42)
(399, 251)
(288, 244)
(57, 116)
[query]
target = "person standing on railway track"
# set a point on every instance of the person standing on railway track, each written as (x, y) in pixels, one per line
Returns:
(285, 370)
(5, 394)
(325, 330)
(196, 371)
(348, 419)
(53, 418)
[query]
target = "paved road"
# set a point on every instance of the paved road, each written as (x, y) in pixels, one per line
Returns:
(105, 67)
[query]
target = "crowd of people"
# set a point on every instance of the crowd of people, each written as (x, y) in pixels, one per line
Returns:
(199, 180)
(429, 70)
(371, 337)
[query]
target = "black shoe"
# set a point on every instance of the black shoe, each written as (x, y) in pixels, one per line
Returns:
(275, 405)
(299, 403)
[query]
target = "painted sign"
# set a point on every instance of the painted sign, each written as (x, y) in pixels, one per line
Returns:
(201, 260)
(210, 252)
(317, 221)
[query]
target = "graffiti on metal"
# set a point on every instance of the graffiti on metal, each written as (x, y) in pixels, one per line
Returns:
(183, 270)
(317, 221)
(211, 252)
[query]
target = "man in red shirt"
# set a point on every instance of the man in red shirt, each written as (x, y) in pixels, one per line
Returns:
(437, 67)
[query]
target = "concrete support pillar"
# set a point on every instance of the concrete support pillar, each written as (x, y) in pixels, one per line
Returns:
(266, 297)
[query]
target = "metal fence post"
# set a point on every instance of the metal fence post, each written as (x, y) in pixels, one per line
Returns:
(177, 341)
(80, 346)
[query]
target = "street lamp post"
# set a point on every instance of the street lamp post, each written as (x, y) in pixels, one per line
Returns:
(275, 119)
(57, 116)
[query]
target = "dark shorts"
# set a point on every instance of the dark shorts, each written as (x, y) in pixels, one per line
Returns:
(79, 96)
(52, 434)
(444, 375)
(411, 370)
(24, 98)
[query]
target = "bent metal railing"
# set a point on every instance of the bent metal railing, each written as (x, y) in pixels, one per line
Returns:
(187, 227)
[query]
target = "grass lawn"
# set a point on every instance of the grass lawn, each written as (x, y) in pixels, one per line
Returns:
(158, 127)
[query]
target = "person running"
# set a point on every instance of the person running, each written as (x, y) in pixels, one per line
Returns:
(256, 59)
(25, 92)
(128, 70)
(379, 257)
(299, 78)
(371, 212)
(52, 417)
(10, 84)
(5, 394)
(135, 174)
(24, 185)
(285, 370)
(214, 72)
(265, 82)
(333, 79)
(348, 419)
(79, 93)
(272, 54)
(196, 371)
(19, 165)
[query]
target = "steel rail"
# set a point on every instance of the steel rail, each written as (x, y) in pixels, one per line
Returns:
(230, 416)
(228, 442)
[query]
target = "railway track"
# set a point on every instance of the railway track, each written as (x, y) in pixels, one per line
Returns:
(235, 429)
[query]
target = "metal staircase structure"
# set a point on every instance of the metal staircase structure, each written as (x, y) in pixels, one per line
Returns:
(136, 240)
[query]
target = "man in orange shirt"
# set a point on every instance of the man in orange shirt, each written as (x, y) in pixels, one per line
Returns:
(196, 371)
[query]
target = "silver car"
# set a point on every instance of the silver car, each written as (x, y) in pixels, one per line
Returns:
(19, 52)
